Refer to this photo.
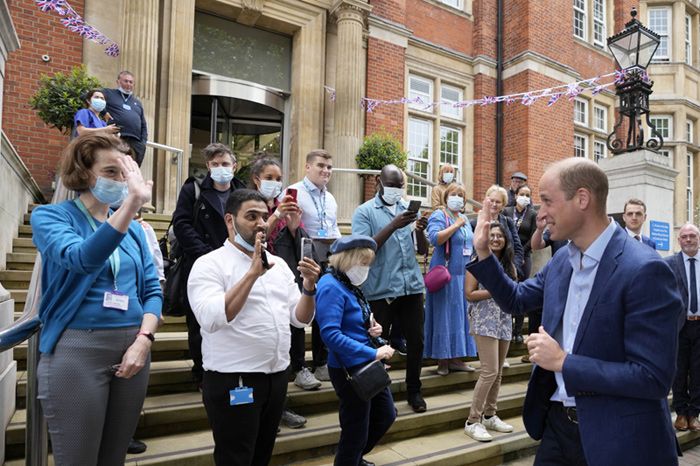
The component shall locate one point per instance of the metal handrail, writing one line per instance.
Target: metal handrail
(420, 179)
(176, 158)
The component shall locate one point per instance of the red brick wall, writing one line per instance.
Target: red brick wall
(484, 137)
(440, 26)
(39, 34)
(385, 80)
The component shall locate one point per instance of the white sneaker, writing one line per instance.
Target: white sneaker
(306, 380)
(477, 431)
(321, 373)
(495, 423)
(506, 364)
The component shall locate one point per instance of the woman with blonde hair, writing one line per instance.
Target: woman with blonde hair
(353, 339)
(446, 327)
(446, 177)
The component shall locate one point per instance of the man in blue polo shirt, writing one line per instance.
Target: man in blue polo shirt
(126, 111)
(395, 287)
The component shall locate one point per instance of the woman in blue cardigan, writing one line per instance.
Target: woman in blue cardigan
(353, 339)
(101, 303)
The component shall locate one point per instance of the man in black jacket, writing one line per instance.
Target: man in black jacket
(198, 222)
(126, 111)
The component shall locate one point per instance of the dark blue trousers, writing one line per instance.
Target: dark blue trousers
(561, 442)
(686, 385)
(362, 423)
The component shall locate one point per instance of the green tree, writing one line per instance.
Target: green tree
(380, 149)
(59, 97)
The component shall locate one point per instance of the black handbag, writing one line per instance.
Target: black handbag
(369, 380)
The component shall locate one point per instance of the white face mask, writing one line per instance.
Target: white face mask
(455, 203)
(447, 177)
(270, 188)
(392, 195)
(523, 201)
(357, 274)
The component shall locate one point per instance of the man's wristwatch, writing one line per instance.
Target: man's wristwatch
(307, 292)
(148, 335)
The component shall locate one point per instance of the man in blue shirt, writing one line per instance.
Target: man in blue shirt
(395, 287)
(605, 353)
(126, 111)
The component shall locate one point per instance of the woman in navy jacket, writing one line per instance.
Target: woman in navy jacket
(352, 336)
(101, 303)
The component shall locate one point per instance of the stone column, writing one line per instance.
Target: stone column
(350, 17)
(648, 176)
(175, 97)
(139, 54)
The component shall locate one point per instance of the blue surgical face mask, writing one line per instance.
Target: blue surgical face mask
(270, 188)
(109, 192)
(222, 175)
(392, 195)
(243, 243)
(98, 104)
(455, 203)
(447, 177)
(124, 91)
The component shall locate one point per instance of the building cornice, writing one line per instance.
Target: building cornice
(449, 53)
(9, 40)
(533, 61)
(388, 31)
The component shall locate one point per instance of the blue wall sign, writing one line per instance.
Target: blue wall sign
(660, 232)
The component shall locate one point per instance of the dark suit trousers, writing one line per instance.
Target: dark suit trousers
(686, 386)
(408, 310)
(561, 442)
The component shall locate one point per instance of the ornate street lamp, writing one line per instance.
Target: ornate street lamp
(633, 49)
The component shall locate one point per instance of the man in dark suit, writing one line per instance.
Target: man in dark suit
(686, 386)
(635, 214)
(604, 355)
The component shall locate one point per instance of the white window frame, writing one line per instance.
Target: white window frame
(689, 185)
(604, 111)
(689, 131)
(581, 9)
(458, 130)
(411, 183)
(599, 144)
(427, 98)
(458, 4)
(663, 53)
(688, 40)
(669, 125)
(666, 153)
(583, 120)
(446, 109)
(584, 138)
(599, 14)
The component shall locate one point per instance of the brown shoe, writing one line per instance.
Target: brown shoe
(693, 424)
(525, 358)
(681, 423)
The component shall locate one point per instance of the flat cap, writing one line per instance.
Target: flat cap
(352, 242)
(520, 175)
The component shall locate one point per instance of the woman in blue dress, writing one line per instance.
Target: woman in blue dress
(88, 120)
(447, 336)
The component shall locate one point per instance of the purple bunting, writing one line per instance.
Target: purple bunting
(553, 99)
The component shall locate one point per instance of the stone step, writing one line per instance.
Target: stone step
(20, 298)
(25, 231)
(15, 279)
(23, 245)
(21, 260)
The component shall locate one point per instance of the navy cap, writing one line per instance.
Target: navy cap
(352, 242)
(520, 175)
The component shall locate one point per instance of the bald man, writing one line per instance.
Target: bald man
(605, 353)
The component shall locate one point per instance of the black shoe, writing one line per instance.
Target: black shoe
(400, 346)
(417, 402)
(136, 447)
(518, 338)
(364, 462)
(292, 419)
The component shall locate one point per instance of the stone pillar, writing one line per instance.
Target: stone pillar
(648, 176)
(175, 97)
(350, 17)
(139, 54)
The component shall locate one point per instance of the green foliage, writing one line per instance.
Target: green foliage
(58, 97)
(380, 149)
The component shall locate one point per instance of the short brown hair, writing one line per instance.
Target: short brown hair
(577, 173)
(318, 153)
(635, 201)
(80, 155)
(215, 149)
(451, 189)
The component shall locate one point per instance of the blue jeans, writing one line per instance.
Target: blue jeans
(362, 423)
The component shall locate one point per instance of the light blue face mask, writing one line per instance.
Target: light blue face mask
(392, 195)
(222, 175)
(270, 188)
(98, 104)
(455, 203)
(109, 192)
(243, 243)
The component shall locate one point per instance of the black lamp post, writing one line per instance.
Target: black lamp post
(633, 49)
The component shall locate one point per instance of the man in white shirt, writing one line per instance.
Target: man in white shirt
(245, 307)
(635, 214)
(319, 214)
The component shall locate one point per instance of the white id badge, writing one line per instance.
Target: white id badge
(116, 300)
(467, 252)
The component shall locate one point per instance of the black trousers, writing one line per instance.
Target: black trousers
(686, 385)
(561, 442)
(362, 423)
(408, 311)
(520, 319)
(194, 342)
(244, 435)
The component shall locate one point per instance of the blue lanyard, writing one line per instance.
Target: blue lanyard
(320, 206)
(114, 259)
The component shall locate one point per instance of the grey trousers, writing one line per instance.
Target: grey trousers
(91, 414)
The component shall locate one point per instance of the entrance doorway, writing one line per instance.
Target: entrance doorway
(246, 117)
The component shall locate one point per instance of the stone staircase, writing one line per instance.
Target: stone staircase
(174, 425)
